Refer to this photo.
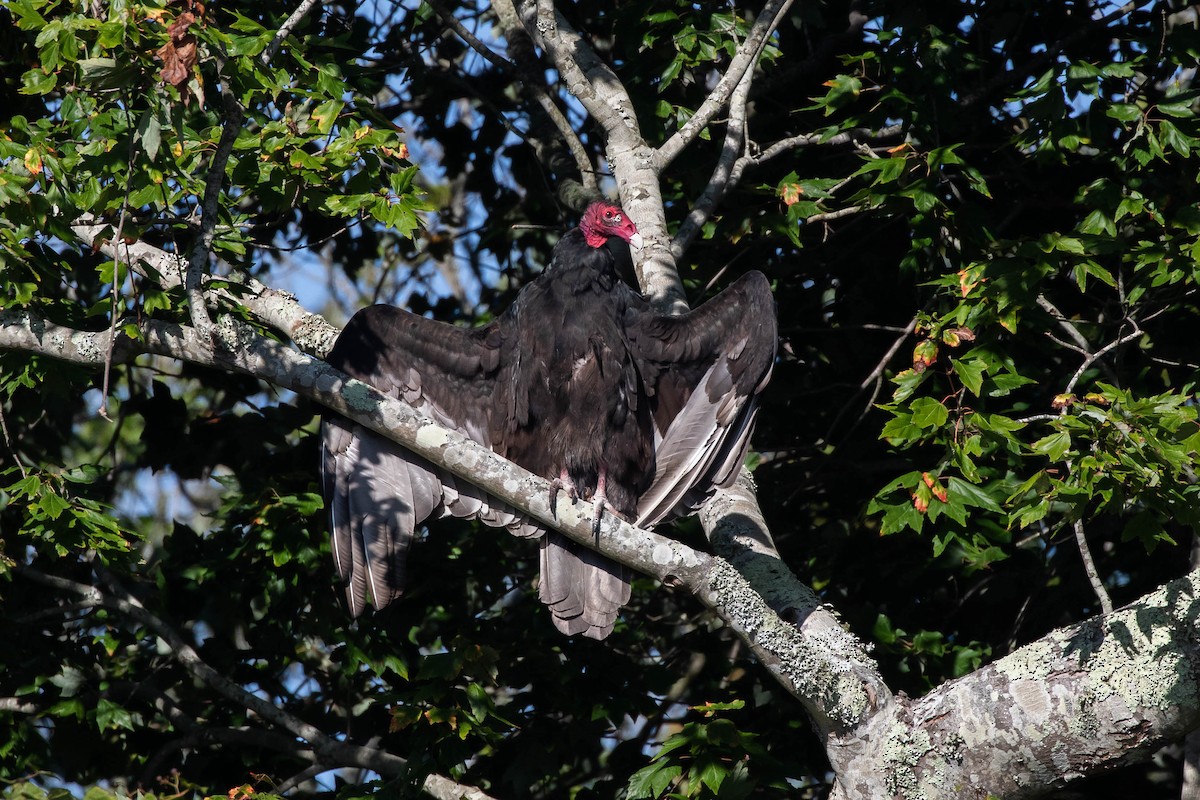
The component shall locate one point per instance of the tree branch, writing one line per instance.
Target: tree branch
(604, 97)
(285, 30)
(1082, 699)
(741, 69)
(724, 181)
(325, 748)
(812, 669)
(529, 82)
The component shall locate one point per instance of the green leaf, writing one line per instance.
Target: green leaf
(1054, 446)
(653, 780)
(109, 715)
(929, 413)
(970, 372)
(149, 133)
(970, 494)
(37, 82)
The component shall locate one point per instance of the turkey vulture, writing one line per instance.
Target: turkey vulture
(580, 381)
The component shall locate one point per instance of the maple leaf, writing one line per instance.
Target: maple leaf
(790, 192)
(33, 161)
(935, 487)
(924, 354)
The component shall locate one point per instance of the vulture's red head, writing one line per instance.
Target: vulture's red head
(602, 220)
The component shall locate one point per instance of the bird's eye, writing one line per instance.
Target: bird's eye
(608, 214)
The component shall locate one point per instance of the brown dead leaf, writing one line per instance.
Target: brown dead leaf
(180, 54)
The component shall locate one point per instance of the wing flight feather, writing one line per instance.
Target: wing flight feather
(378, 491)
(703, 372)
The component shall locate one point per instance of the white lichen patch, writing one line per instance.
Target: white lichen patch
(1031, 699)
(662, 554)
(904, 750)
(1140, 662)
(431, 436)
(1032, 662)
(464, 457)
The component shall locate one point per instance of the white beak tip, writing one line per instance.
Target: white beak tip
(635, 241)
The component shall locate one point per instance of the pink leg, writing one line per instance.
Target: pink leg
(563, 481)
(598, 502)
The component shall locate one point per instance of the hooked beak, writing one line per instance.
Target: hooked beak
(635, 241)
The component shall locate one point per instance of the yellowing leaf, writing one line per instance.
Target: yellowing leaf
(33, 161)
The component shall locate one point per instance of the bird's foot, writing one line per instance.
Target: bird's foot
(599, 503)
(563, 481)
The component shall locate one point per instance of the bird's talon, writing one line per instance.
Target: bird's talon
(563, 481)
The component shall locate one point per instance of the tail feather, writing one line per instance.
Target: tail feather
(583, 590)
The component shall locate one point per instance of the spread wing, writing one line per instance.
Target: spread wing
(376, 491)
(703, 371)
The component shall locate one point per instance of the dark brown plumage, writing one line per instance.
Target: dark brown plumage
(580, 381)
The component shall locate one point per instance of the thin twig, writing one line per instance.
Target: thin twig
(733, 147)
(118, 239)
(1084, 346)
(285, 30)
(1089, 567)
(721, 183)
(827, 216)
(197, 264)
(294, 782)
(1085, 553)
(8, 442)
(1091, 359)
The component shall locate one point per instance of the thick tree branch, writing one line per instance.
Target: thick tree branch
(279, 310)
(604, 97)
(1082, 699)
(835, 687)
(741, 69)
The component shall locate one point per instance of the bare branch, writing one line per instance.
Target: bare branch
(740, 66)
(213, 185)
(1071, 331)
(827, 216)
(719, 184)
(1085, 553)
(1091, 359)
(285, 30)
(529, 82)
(1089, 567)
(587, 77)
(280, 310)
(722, 183)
